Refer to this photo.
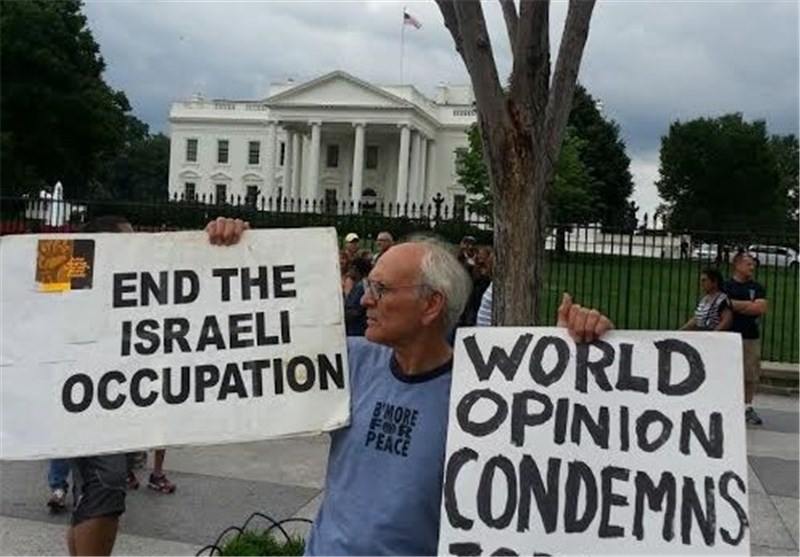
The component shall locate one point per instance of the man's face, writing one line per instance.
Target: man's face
(398, 314)
(745, 266)
(384, 242)
(352, 247)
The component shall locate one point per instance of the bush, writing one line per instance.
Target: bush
(255, 543)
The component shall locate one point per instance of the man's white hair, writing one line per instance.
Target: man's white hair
(441, 271)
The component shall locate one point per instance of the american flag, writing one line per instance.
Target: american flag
(409, 19)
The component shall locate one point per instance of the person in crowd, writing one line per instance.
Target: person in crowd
(481, 275)
(749, 303)
(388, 502)
(713, 311)
(466, 252)
(344, 264)
(100, 480)
(385, 240)
(352, 245)
(355, 315)
(158, 480)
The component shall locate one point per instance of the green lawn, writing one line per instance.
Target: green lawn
(648, 293)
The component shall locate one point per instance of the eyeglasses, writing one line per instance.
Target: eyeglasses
(378, 289)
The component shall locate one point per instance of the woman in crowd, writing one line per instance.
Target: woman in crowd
(713, 311)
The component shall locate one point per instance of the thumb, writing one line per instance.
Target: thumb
(563, 310)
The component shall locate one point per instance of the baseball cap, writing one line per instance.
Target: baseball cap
(352, 237)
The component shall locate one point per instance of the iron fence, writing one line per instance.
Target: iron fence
(642, 279)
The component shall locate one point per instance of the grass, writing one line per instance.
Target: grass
(255, 543)
(648, 293)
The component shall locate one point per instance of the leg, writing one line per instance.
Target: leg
(57, 475)
(158, 480)
(752, 375)
(71, 541)
(95, 536)
(158, 461)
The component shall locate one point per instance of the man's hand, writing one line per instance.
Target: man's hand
(226, 232)
(583, 324)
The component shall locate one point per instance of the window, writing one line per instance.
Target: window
(191, 150)
(459, 205)
(332, 160)
(189, 191)
(252, 196)
(330, 201)
(254, 152)
(372, 157)
(222, 194)
(282, 157)
(222, 151)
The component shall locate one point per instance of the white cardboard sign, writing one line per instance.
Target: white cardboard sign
(116, 342)
(634, 444)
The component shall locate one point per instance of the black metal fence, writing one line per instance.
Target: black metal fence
(643, 279)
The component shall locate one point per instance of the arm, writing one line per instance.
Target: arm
(690, 325)
(726, 319)
(755, 308)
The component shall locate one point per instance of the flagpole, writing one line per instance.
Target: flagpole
(402, 43)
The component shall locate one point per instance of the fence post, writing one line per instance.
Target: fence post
(437, 215)
(628, 282)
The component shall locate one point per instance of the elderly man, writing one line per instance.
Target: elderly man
(383, 498)
(385, 240)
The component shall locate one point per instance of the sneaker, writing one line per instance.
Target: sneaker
(752, 417)
(57, 501)
(133, 481)
(161, 484)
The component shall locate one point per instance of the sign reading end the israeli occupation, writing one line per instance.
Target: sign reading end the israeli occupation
(634, 444)
(115, 342)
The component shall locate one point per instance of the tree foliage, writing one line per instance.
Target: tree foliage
(720, 174)
(603, 153)
(787, 157)
(572, 199)
(59, 118)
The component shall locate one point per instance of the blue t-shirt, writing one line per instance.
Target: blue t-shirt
(384, 480)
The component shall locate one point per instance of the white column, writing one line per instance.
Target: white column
(358, 165)
(430, 163)
(296, 168)
(402, 164)
(423, 175)
(413, 179)
(269, 159)
(313, 162)
(287, 164)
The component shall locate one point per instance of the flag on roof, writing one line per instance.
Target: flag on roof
(409, 19)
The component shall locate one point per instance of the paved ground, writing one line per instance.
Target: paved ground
(221, 486)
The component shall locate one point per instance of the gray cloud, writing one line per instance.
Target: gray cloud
(649, 62)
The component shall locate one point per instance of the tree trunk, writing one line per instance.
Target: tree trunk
(518, 173)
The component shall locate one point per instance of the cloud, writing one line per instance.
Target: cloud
(650, 63)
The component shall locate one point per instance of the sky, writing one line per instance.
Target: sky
(650, 63)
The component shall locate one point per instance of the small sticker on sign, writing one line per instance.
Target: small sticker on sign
(64, 265)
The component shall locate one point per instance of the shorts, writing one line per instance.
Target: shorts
(103, 482)
(751, 354)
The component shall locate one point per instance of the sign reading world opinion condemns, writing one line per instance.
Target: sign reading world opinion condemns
(634, 444)
(116, 342)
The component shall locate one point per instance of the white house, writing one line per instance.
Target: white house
(335, 138)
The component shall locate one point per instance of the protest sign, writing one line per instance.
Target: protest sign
(116, 342)
(634, 444)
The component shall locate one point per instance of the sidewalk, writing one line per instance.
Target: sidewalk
(221, 486)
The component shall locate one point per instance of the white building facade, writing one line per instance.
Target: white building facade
(335, 138)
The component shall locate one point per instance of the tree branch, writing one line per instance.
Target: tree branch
(573, 41)
(530, 76)
(479, 59)
(512, 20)
(447, 7)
